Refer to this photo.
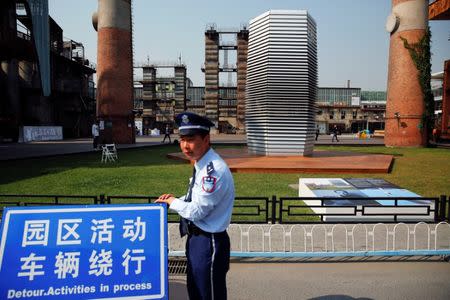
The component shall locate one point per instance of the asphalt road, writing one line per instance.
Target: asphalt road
(336, 280)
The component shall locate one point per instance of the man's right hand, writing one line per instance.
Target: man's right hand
(165, 198)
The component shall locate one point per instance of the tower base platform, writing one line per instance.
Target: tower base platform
(240, 161)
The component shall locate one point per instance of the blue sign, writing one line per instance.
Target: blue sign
(84, 252)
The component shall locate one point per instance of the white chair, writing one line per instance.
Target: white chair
(109, 153)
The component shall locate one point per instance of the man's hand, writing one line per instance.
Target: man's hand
(165, 198)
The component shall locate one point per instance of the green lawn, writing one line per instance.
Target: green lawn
(147, 171)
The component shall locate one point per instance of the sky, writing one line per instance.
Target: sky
(352, 41)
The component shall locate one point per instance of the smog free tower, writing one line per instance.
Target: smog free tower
(281, 83)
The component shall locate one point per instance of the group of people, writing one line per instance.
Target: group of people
(334, 133)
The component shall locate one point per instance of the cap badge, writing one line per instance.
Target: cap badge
(185, 119)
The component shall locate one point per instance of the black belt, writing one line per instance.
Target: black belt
(195, 230)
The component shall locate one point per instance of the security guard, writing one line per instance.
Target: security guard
(205, 210)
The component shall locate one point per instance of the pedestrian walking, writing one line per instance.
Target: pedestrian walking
(317, 132)
(95, 134)
(335, 132)
(435, 134)
(205, 210)
(167, 134)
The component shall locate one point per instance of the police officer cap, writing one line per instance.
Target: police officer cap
(191, 124)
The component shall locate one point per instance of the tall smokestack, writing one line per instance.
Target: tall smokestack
(405, 104)
(115, 70)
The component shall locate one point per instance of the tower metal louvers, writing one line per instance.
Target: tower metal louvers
(281, 83)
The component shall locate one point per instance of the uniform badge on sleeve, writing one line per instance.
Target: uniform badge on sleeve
(209, 183)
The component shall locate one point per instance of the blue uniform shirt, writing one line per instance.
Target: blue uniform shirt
(212, 195)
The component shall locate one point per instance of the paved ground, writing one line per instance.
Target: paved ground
(38, 149)
(49, 148)
(337, 280)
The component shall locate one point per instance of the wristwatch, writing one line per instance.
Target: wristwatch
(392, 23)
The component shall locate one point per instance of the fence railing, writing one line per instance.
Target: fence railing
(245, 210)
(282, 210)
(27, 200)
(330, 240)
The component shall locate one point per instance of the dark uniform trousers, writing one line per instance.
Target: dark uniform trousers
(208, 261)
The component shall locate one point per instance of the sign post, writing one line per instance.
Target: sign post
(84, 252)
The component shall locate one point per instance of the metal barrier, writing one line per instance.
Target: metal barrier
(254, 234)
(126, 199)
(269, 210)
(332, 240)
(246, 210)
(38, 200)
(257, 208)
(172, 216)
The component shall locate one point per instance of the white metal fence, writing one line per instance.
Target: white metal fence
(306, 240)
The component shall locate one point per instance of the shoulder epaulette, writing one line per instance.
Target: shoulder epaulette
(210, 168)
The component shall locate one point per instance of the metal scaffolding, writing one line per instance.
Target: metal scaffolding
(214, 108)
